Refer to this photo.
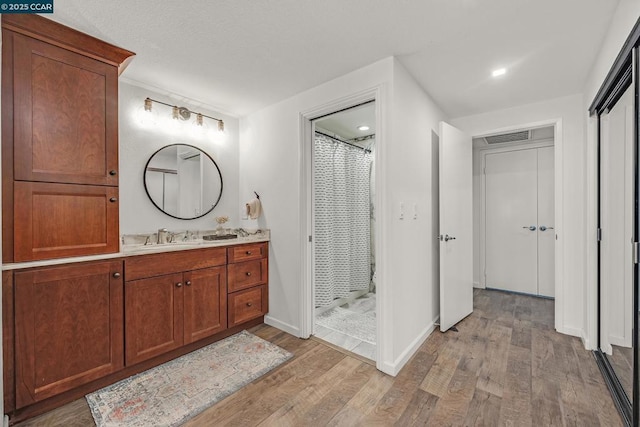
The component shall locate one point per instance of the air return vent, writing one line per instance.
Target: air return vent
(508, 137)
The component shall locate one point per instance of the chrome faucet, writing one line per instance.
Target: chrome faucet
(163, 235)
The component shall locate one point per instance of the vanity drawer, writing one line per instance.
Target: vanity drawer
(248, 304)
(247, 252)
(151, 265)
(247, 274)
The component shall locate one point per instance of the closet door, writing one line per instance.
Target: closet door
(546, 228)
(511, 221)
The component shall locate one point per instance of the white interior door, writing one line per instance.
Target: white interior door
(511, 221)
(546, 229)
(456, 226)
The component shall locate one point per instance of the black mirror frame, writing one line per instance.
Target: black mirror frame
(144, 181)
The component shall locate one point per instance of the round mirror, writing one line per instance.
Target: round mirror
(183, 181)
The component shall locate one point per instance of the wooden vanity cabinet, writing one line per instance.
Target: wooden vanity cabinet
(248, 277)
(59, 139)
(68, 327)
(167, 311)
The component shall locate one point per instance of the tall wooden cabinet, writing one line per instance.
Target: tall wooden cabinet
(59, 140)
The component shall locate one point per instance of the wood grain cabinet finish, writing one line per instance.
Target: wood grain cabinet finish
(65, 115)
(45, 221)
(59, 127)
(166, 312)
(68, 328)
(248, 277)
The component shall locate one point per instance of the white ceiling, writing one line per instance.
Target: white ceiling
(240, 55)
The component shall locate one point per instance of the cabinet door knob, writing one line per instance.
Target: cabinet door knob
(188, 283)
(249, 304)
(248, 252)
(179, 285)
(113, 199)
(248, 273)
(116, 275)
(113, 172)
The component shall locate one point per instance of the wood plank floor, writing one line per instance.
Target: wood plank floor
(505, 367)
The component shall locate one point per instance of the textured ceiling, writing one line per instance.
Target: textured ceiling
(240, 55)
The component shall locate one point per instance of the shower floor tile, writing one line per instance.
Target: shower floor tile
(341, 332)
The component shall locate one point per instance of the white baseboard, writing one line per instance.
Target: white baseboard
(575, 332)
(290, 329)
(395, 367)
(478, 285)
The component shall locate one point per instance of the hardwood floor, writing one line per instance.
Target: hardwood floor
(505, 366)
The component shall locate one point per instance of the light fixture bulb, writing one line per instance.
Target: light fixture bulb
(147, 104)
(175, 113)
(220, 126)
(499, 72)
(363, 127)
(199, 119)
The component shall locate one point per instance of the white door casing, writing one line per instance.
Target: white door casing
(456, 221)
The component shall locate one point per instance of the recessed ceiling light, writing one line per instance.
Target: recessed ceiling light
(499, 72)
(363, 127)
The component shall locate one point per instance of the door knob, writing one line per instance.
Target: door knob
(188, 283)
(179, 285)
(447, 238)
(531, 227)
(543, 228)
(116, 275)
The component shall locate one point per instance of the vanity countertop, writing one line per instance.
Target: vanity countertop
(129, 250)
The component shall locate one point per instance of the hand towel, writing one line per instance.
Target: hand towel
(254, 208)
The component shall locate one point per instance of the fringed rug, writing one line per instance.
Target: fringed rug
(170, 394)
(358, 325)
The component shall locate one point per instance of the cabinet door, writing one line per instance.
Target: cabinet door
(62, 220)
(205, 303)
(65, 115)
(153, 316)
(68, 328)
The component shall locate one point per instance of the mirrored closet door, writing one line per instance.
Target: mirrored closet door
(616, 110)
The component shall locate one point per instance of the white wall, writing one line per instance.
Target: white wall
(271, 163)
(625, 17)
(139, 142)
(414, 281)
(570, 109)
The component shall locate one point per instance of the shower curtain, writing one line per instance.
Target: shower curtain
(342, 219)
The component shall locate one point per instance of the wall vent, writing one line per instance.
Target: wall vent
(524, 135)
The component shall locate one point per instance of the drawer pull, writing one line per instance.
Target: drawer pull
(249, 304)
(112, 172)
(248, 252)
(188, 283)
(116, 275)
(179, 285)
(113, 199)
(248, 273)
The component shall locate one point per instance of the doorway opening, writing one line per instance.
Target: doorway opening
(516, 205)
(343, 221)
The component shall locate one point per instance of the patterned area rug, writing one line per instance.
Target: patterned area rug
(358, 325)
(170, 394)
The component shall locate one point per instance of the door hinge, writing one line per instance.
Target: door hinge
(310, 239)
(635, 252)
(599, 235)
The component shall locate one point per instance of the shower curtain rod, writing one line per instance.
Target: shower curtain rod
(344, 142)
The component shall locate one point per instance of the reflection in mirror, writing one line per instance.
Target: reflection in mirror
(183, 181)
(616, 219)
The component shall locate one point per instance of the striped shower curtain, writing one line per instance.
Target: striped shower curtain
(342, 219)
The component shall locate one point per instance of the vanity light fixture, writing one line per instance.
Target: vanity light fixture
(363, 127)
(183, 113)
